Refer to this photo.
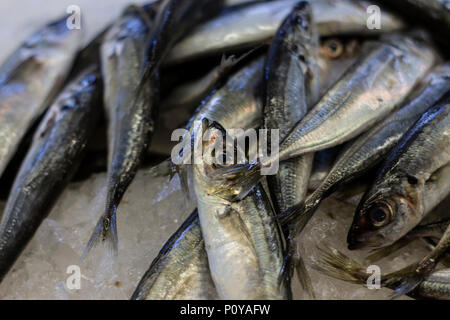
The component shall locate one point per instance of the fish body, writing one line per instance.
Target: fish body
(371, 89)
(411, 182)
(181, 270)
(244, 247)
(242, 239)
(258, 23)
(30, 79)
(371, 147)
(56, 151)
(435, 286)
(291, 75)
(367, 92)
(130, 119)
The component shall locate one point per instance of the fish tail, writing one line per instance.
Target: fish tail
(105, 232)
(339, 266)
(292, 260)
(304, 277)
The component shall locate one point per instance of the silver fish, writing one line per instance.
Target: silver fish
(57, 149)
(180, 271)
(292, 80)
(30, 79)
(367, 92)
(130, 125)
(258, 23)
(242, 239)
(412, 181)
(370, 148)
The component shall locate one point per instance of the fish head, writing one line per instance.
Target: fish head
(387, 214)
(299, 32)
(217, 170)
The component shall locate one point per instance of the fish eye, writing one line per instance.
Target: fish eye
(412, 180)
(380, 214)
(332, 48)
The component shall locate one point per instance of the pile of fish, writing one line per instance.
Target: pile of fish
(365, 110)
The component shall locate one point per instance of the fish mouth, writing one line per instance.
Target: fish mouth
(359, 237)
(355, 240)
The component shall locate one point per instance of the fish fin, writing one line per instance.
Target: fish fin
(304, 277)
(337, 265)
(232, 182)
(104, 232)
(297, 217)
(383, 252)
(293, 259)
(163, 169)
(184, 182)
(242, 177)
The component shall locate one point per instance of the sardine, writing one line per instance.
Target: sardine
(130, 125)
(292, 80)
(367, 92)
(181, 270)
(258, 23)
(291, 77)
(371, 147)
(29, 80)
(57, 149)
(413, 179)
(242, 239)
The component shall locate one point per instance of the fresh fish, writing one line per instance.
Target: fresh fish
(371, 147)
(411, 182)
(57, 149)
(130, 125)
(30, 79)
(435, 285)
(242, 239)
(292, 80)
(237, 105)
(180, 271)
(366, 93)
(258, 23)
